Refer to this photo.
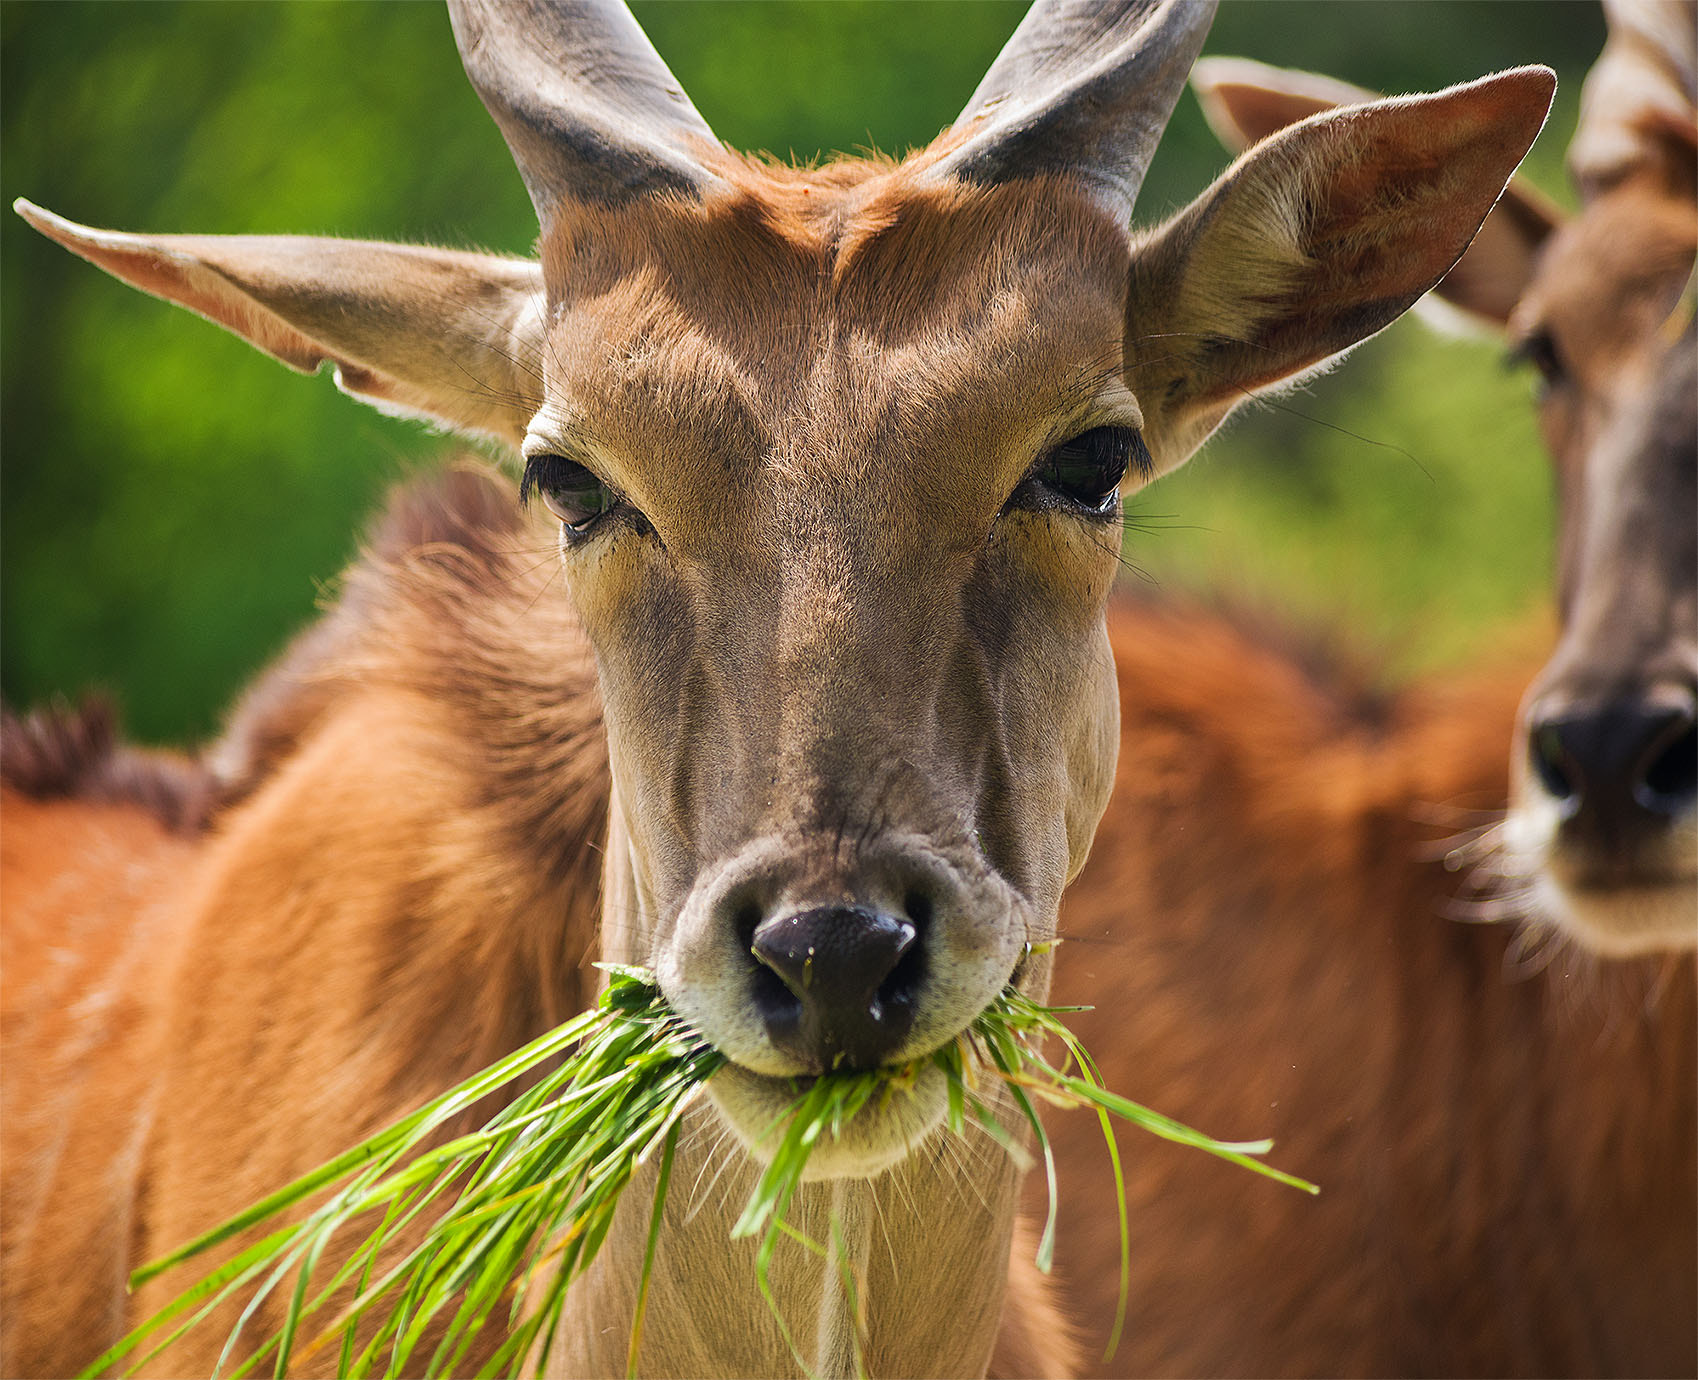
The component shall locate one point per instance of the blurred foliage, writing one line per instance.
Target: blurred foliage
(171, 500)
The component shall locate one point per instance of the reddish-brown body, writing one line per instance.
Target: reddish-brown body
(86, 955)
(1507, 1158)
(1504, 1137)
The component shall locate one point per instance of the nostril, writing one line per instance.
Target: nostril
(1550, 763)
(1671, 776)
(745, 917)
(1619, 768)
(837, 984)
(909, 974)
(898, 991)
(779, 1008)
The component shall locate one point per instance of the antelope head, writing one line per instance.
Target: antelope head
(837, 458)
(1606, 788)
(1603, 773)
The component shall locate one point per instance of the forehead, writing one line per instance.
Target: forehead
(817, 315)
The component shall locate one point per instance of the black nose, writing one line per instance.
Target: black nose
(1620, 770)
(843, 996)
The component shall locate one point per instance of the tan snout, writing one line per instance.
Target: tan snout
(1604, 816)
(804, 954)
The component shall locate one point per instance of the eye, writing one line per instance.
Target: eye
(1539, 348)
(1087, 470)
(569, 490)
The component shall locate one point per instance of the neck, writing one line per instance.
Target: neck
(926, 1245)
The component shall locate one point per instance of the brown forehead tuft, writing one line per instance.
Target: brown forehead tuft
(861, 225)
(772, 209)
(919, 254)
(806, 206)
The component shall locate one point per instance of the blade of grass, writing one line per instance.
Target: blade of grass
(665, 1177)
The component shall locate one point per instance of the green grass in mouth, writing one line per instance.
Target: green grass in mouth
(516, 1211)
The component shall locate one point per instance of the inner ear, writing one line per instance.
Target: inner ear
(1246, 102)
(1314, 240)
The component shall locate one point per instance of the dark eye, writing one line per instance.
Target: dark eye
(1540, 350)
(569, 490)
(1087, 470)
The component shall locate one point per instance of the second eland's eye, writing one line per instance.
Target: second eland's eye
(1539, 348)
(569, 490)
(1087, 469)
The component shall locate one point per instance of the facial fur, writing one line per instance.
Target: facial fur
(838, 667)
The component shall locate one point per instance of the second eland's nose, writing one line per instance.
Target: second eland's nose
(1620, 769)
(839, 999)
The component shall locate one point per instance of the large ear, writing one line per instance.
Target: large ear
(585, 103)
(452, 337)
(1246, 102)
(1313, 241)
(1638, 104)
(1083, 88)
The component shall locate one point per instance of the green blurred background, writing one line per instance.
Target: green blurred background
(172, 502)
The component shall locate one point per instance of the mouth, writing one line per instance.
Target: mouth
(885, 1114)
(892, 1110)
(1600, 876)
(1603, 885)
(1623, 919)
(874, 1117)
(1537, 840)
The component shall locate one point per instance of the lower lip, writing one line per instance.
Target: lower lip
(880, 1134)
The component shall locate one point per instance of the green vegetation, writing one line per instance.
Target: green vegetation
(530, 1196)
(173, 501)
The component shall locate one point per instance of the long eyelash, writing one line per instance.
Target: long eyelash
(1138, 457)
(534, 476)
(528, 482)
(1127, 447)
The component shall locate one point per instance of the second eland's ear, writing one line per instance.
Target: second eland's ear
(1083, 88)
(453, 337)
(1246, 102)
(1312, 241)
